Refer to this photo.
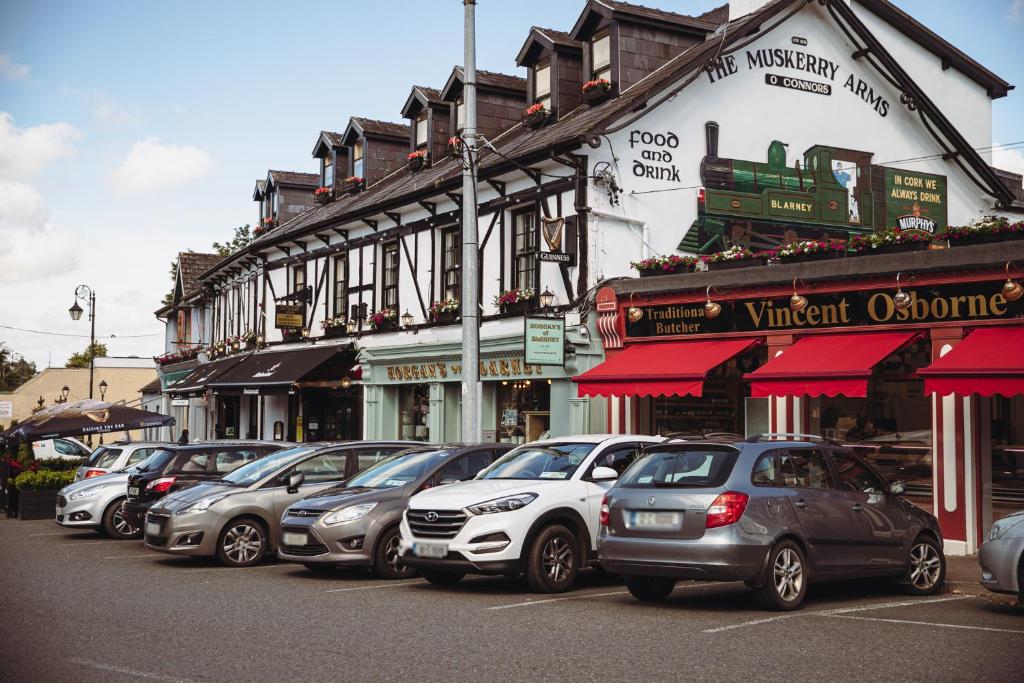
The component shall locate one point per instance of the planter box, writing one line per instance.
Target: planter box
(738, 263)
(352, 187)
(535, 121)
(445, 317)
(386, 326)
(335, 332)
(37, 504)
(893, 249)
(986, 239)
(804, 258)
(417, 163)
(662, 271)
(519, 308)
(322, 198)
(595, 96)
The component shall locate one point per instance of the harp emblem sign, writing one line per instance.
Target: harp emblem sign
(551, 229)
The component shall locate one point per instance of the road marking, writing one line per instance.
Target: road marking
(90, 542)
(125, 557)
(235, 569)
(927, 623)
(378, 585)
(128, 672)
(755, 622)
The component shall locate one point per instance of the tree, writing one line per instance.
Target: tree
(81, 360)
(14, 370)
(243, 236)
(169, 296)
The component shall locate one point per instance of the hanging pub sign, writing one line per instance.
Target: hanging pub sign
(914, 202)
(289, 315)
(544, 341)
(960, 302)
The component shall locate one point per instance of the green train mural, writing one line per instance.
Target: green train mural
(834, 192)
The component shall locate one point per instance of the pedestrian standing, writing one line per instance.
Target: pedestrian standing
(183, 439)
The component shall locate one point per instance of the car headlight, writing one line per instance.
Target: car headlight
(507, 504)
(1000, 528)
(349, 514)
(86, 493)
(200, 505)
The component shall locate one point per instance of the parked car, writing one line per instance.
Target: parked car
(95, 503)
(356, 524)
(534, 511)
(173, 468)
(773, 511)
(1002, 556)
(116, 456)
(62, 447)
(236, 517)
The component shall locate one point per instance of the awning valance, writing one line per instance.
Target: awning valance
(275, 368)
(660, 369)
(989, 361)
(198, 379)
(827, 364)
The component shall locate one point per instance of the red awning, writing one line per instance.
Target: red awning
(826, 364)
(990, 360)
(660, 369)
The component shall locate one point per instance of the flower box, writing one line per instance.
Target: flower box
(384, 320)
(444, 317)
(353, 185)
(514, 300)
(516, 308)
(737, 263)
(335, 331)
(417, 160)
(899, 248)
(386, 326)
(322, 195)
(535, 116)
(37, 504)
(664, 265)
(813, 256)
(736, 257)
(989, 230)
(455, 146)
(596, 91)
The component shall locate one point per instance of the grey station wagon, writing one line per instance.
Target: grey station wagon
(775, 511)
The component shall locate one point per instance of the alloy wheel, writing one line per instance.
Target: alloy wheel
(925, 566)
(122, 525)
(788, 575)
(557, 556)
(243, 543)
(391, 555)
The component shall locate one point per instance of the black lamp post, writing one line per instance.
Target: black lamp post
(85, 293)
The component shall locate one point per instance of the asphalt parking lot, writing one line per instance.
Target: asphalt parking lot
(76, 606)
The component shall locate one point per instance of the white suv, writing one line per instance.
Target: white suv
(534, 511)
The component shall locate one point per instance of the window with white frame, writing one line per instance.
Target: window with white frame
(389, 293)
(340, 284)
(524, 249)
(421, 131)
(357, 159)
(460, 113)
(542, 84)
(451, 260)
(328, 170)
(601, 56)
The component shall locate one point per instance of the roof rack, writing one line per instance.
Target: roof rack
(788, 436)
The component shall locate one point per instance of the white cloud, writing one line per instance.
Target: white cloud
(11, 70)
(152, 165)
(108, 111)
(24, 151)
(1016, 11)
(30, 246)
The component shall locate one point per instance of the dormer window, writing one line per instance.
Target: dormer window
(460, 113)
(357, 159)
(421, 131)
(601, 56)
(542, 84)
(327, 171)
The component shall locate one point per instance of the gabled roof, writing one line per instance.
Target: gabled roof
(292, 178)
(546, 39)
(359, 127)
(485, 80)
(327, 141)
(261, 188)
(191, 265)
(595, 10)
(422, 96)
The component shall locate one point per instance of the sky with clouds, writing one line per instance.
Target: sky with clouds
(131, 131)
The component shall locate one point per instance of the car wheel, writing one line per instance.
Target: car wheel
(386, 563)
(554, 560)
(441, 578)
(116, 526)
(786, 583)
(242, 543)
(650, 588)
(926, 567)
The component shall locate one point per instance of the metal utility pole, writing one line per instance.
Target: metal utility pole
(471, 427)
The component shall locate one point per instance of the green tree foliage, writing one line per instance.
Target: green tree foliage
(14, 370)
(243, 236)
(81, 360)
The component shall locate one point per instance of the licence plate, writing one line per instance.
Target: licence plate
(656, 521)
(152, 529)
(292, 538)
(133, 490)
(435, 550)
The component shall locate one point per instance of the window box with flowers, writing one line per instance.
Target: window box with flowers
(988, 230)
(801, 251)
(514, 301)
(177, 356)
(334, 327)
(888, 242)
(444, 311)
(384, 320)
(596, 91)
(735, 257)
(664, 265)
(322, 195)
(353, 184)
(266, 225)
(291, 334)
(417, 160)
(455, 146)
(535, 116)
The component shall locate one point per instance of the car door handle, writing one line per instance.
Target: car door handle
(801, 503)
(857, 507)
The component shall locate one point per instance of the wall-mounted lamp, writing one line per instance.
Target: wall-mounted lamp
(711, 308)
(547, 298)
(797, 302)
(351, 326)
(1012, 290)
(633, 313)
(346, 382)
(305, 333)
(901, 299)
(407, 319)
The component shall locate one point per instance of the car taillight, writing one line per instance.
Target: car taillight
(726, 509)
(700, 196)
(160, 485)
(89, 474)
(604, 511)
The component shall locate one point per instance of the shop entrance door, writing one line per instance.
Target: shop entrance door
(333, 414)
(227, 417)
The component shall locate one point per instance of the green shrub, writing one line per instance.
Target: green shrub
(43, 479)
(60, 464)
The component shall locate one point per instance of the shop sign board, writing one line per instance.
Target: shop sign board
(506, 368)
(957, 303)
(560, 257)
(915, 202)
(544, 341)
(289, 315)
(179, 402)
(6, 409)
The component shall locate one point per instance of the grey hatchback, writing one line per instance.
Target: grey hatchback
(774, 511)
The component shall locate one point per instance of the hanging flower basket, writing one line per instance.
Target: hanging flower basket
(990, 229)
(664, 265)
(322, 195)
(417, 160)
(353, 185)
(887, 242)
(596, 91)
(735, 257)
(444, 311)
(535, 116)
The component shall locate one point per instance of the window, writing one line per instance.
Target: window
(389, 295)
(357, 159)
(65, 447)
(274, 203)
(139, 455)
(460, 113)
(556, 461)
(696, 466)
(421, 130)
(618, 458)
(451, 260)
(229, 461)
(764, 473)
(107, 459)
(298, 278)
(324, 467)
(340, 284)
(371, 456)
(855, 476)
(600, 56)
(542, 84)
(328, 171)
(524, 250)
(197, 463)
(805, 469)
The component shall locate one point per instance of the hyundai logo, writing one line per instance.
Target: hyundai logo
(652, 500)
(431, 516)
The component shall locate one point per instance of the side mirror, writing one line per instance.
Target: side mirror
(897, 487)
(604, 474)
(295, 480)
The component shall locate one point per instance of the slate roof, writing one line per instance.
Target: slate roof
(334, 138)
(557, 37)
(191, 266)
(293, 178)
(497, 80)
(655, 14)
(386, 128)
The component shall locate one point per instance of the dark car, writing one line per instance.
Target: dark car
(356, 524)
(173, 468)
(775, 511)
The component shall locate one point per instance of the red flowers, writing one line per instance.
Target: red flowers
(321, 191)
(597, 83)
(418, 154)
(535, 109)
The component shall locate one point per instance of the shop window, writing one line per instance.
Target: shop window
(1006, 450)
(327, 176)
(451, 260)
(357, 159)
(524, 250)
(422, 132)
(340, 284)
(389, 293)
(542, 84)
(601, 56)
(414, 412)
(524, 408)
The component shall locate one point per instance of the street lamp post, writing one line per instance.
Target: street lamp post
(85, 293)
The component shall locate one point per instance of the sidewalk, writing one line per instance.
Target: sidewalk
(963, 574)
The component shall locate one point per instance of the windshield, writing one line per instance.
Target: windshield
(103, 457)
(249, 474)
(397, 470)
(556, 461)
(155, 462)
(697, 466)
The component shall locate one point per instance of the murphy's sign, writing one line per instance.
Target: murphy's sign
(936, 304)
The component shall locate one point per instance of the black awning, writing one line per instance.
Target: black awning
(198, 379)
(275, 368)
